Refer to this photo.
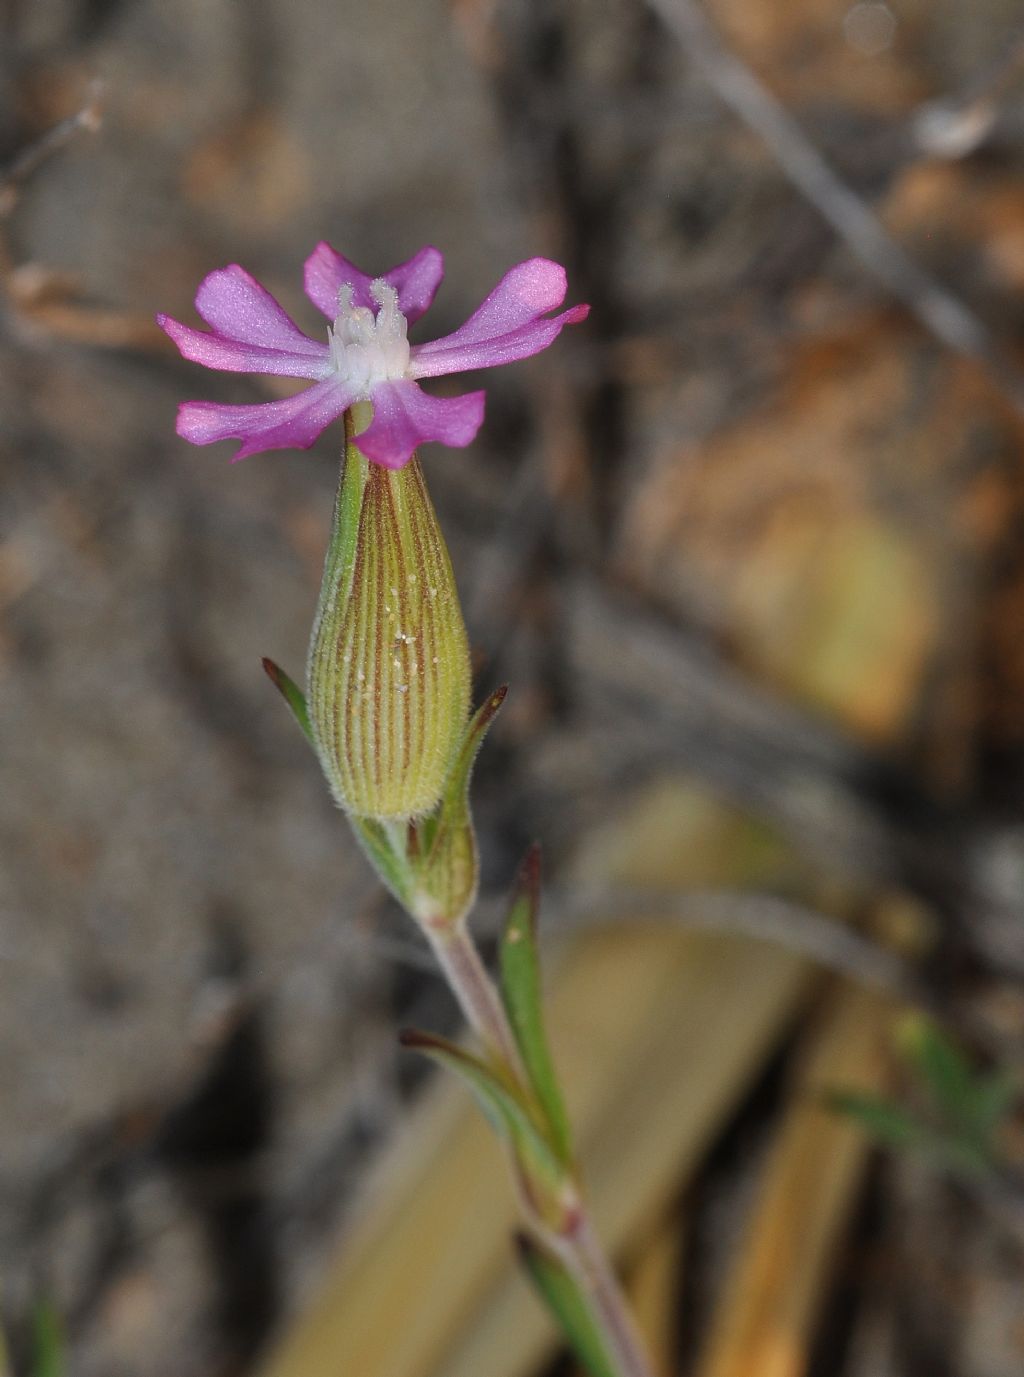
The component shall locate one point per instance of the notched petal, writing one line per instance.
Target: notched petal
(325, 273)
(451, 355)
(214, 350)
(235, 305)
(405, 417)
(512, 323)
(416, 281)
(292, 423)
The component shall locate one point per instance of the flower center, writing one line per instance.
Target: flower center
(365, 348)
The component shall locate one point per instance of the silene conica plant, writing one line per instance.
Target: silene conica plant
(387, 701)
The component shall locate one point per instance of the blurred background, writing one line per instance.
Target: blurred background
(748, 546)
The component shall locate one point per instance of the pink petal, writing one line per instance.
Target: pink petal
(509, 324)
(326, 271)
(234, 305)
(405, 417)
(217, 351)
(440, 357)
(416, 281)
(293, 423)
(525, 292)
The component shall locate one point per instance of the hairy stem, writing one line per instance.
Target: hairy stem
(580, 1249)
(471, 985)
(584, 1255)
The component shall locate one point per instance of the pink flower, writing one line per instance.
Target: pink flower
(366, 356)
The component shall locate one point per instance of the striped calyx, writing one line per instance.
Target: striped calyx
(388, 672)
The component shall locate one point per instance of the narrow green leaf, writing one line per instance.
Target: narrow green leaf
(48, 1347)
(292, 695)
(942, 1066)
(522, 997)
(542, 1174)
(887, 1122)
(455, 803)
(453, 813)
(951, 1149)
(449, 867)
(567, 1303)
(384, 854)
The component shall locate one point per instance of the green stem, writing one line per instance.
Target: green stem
(580, 1249)
(584, 1256)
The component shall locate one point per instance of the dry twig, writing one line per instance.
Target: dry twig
(88, 118)
(765, 917)
(941, 313)
(40, 297)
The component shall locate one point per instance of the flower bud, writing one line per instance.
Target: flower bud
(388, 673)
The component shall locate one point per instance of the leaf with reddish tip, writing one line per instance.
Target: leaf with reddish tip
(542, 1176)
(453, 812)
(561, 1293)
(292, 695)
(522, 996)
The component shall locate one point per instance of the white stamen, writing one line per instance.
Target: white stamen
(367, 349)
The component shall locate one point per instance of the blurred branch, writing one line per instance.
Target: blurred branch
(675, 704)
(88, 118)
(66, 320)
(828, 943)
(938, 309)
(41, 297)
(765, 917)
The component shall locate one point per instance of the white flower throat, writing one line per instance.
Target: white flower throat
(368, 349)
